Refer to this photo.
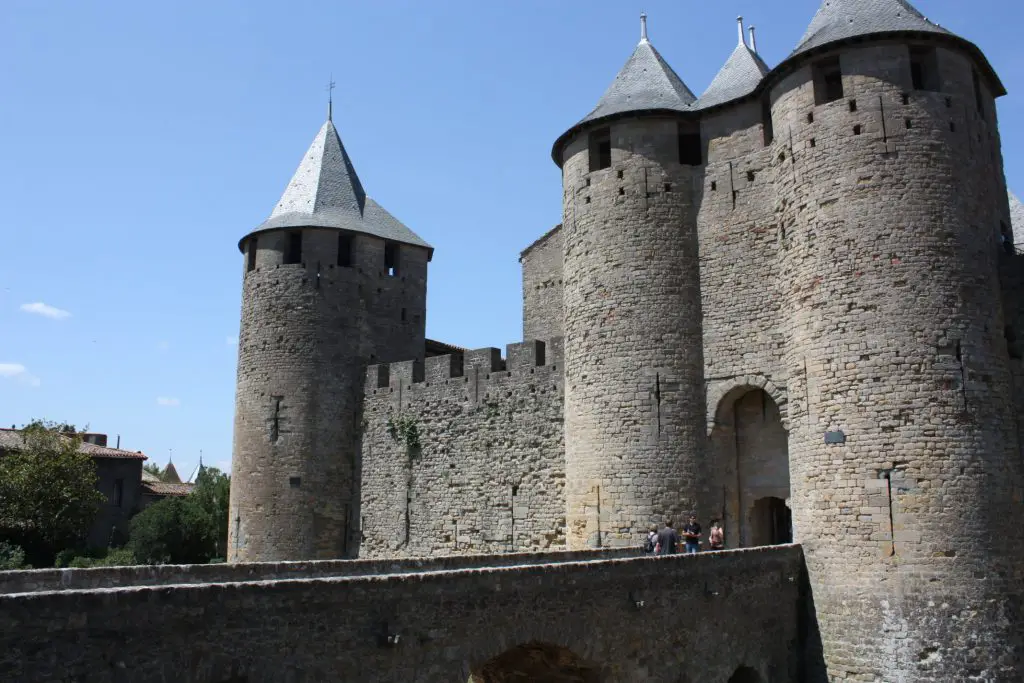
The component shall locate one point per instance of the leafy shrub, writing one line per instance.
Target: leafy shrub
(11, 557)
(173, 531)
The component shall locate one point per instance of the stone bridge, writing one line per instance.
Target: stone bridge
(727, 617)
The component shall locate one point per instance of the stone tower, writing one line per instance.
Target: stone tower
(905, 464)
(634, 395)
(332, 282)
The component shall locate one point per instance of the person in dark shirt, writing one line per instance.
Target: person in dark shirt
(691, 534)
(667, 539)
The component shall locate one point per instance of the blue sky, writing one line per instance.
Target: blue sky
(141, 140)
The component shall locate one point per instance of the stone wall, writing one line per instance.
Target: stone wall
(113, 520)
(485, 472)
(542, 287)
(659, 620)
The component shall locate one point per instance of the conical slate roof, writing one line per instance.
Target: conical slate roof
(740, 76)
(842, 19)
(645, 82)
(325, 192)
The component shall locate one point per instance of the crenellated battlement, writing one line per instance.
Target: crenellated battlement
(527, 357)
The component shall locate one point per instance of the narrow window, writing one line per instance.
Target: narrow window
(391, 258)
(690, 152)
(924, 68)
(766, 121)
(600, 149)
(294, 252)
(251, 255)
(828, 81)
(403, 315)
(856, 129)
(118, 499)
(344, 250)
(810, 117)
(978, 103)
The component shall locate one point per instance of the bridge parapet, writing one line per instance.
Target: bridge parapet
(636, 618)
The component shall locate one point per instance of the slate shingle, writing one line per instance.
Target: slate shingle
(325, 192)
(842, 19)
(645, 82)
(738, 77)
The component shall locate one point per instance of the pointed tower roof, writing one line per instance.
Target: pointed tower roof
(170, 474)
(739, 77)
(645, 83)
(842, 19)
(325, 192)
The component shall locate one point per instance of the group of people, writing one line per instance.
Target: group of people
(667, 541)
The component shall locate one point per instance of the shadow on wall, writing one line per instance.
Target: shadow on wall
(538, 663)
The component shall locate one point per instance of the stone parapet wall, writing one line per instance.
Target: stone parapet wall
(633, 619)
(485, 470)
(35, 580)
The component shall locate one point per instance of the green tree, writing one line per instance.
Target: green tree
(212, 492)
(153, 469)
(173, 531)
(48, 496)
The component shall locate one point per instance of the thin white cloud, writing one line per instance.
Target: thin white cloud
(231, 341)
(163, 345)
(224, 466)
(167, 402)
(45, 310)
(19, 373)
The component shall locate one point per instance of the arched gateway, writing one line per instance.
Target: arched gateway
(750, 452)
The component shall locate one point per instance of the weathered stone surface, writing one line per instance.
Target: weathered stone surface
(448, 623)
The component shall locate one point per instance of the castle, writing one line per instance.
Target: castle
(785, 304)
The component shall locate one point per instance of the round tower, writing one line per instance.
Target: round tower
(634, 415)
(332, 282)
(905, 463)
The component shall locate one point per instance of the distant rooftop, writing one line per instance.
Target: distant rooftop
(11, 439)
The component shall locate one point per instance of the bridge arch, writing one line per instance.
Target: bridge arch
(537, 662)
(745, 674)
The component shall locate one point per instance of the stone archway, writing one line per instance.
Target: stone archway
(536, 662)
(749, 446)
(745, 674)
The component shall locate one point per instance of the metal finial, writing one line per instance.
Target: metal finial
(643, 27)
(739, 27)
(753, 40)
(330, 98)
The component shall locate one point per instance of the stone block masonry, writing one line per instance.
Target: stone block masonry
(642, 619)
(464, 454)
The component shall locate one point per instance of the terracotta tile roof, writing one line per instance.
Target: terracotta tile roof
(10, 439)
(438, 348)
(166, 488)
